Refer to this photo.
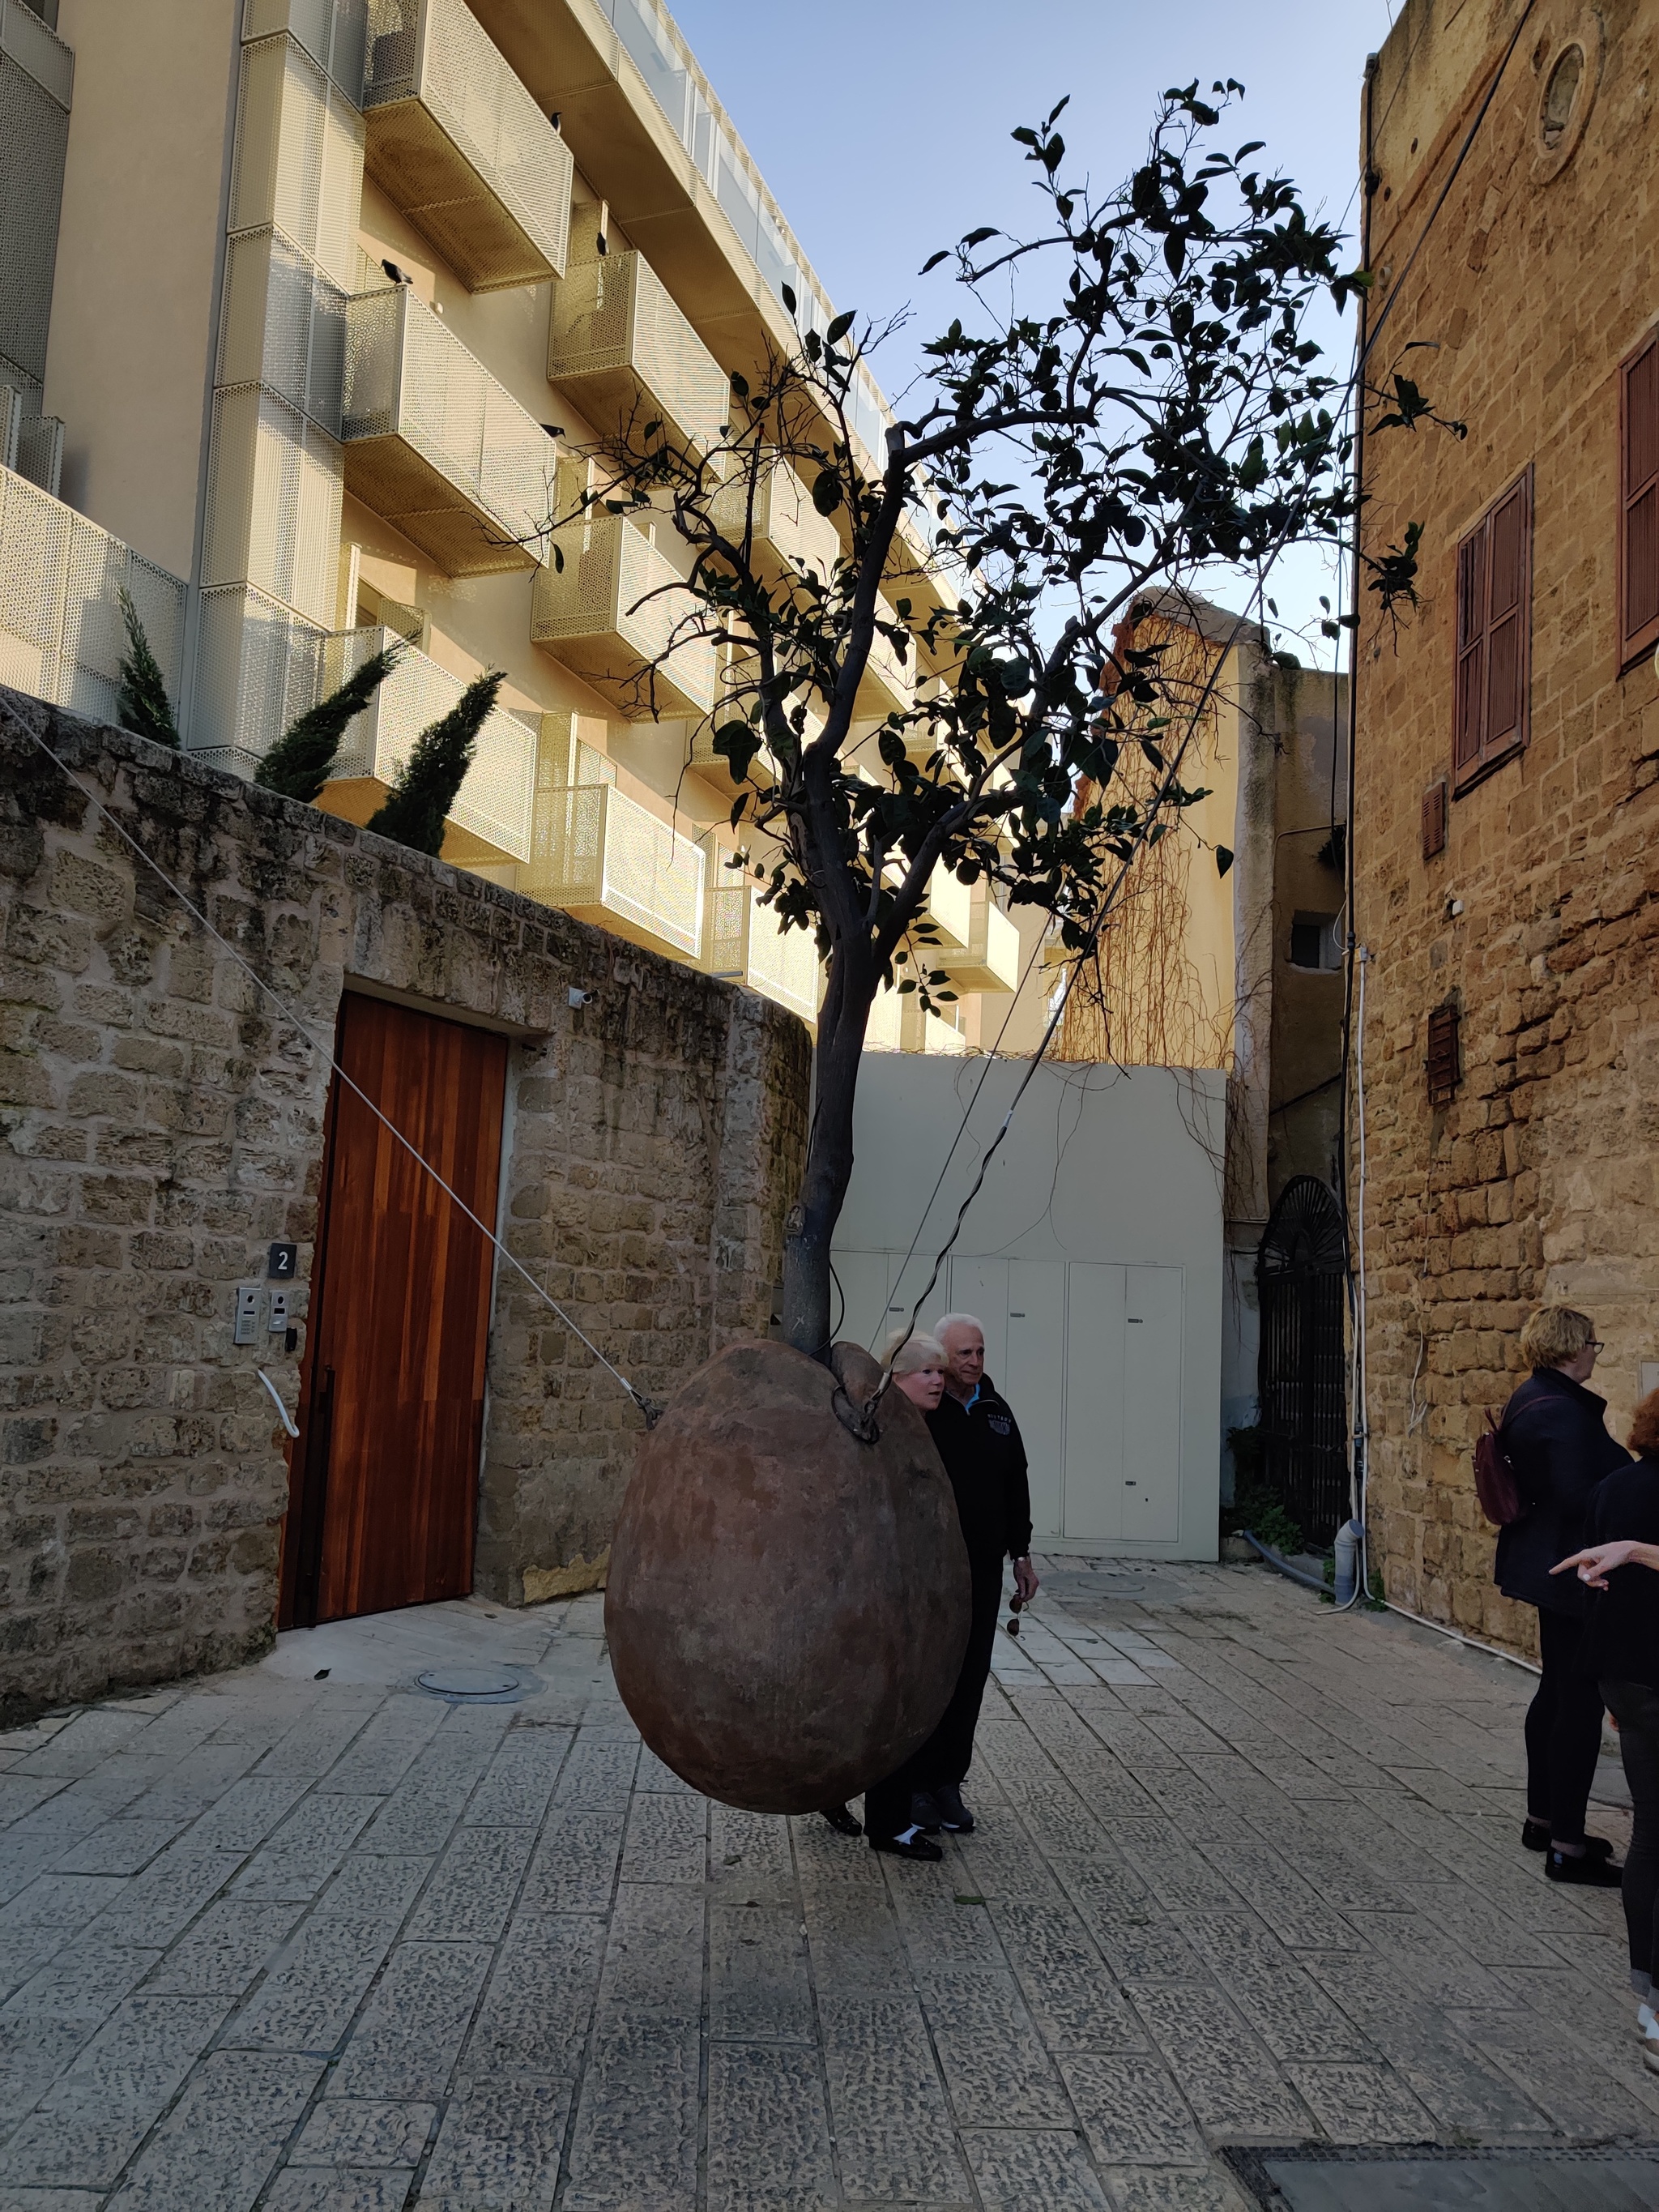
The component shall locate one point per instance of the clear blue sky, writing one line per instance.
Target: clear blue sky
(881, 129)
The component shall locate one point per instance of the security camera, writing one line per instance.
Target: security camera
(580, 998)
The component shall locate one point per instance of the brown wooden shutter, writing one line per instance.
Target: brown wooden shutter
(1434, 819)
(1444, 1066)
(1494, 635)
(1638, 534)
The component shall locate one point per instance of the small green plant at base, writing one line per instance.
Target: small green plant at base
(436, 766)
(302, 759)
(143, 707)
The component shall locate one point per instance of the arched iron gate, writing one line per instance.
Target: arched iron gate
(1300, 1376)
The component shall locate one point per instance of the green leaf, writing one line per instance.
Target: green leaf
(1224, 859)
(739, 807)
(934, 259)
(786, 294)
(736, 743)
(740, 385)
(827, 491)
(840, 327)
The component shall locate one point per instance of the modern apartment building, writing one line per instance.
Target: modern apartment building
(1506, 812)
(312, 313)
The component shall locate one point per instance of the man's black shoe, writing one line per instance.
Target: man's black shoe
(1593, 1873)
(918, 1847)
(925, 1812)
(1535, 1837)
(841, 1820)
(952, 1812)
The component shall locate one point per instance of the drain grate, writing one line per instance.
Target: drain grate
(474, 1685)
(1423, 2179)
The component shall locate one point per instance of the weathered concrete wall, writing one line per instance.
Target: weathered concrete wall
(163, 1123)
(1541, 917)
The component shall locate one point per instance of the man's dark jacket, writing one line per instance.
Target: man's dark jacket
(985, 1460)
(1555, 1438)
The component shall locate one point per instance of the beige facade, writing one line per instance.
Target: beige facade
(1237, 968)
(1505, 831)
(331, 350)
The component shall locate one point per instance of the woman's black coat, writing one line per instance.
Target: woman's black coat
(1555, 1436)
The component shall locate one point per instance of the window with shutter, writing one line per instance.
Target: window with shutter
(1638, 519)
(1434, 819)
(1444, 1063)
(1494, 635)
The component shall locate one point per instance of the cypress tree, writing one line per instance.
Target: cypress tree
(438, 760)
(143, 707)
(300, 762)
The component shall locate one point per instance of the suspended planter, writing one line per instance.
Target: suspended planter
(787, 1605)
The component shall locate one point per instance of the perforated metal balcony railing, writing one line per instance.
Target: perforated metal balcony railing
(623, 352)
(496, 802)
(37, 79)
(890, 683)
(602, 857)
(611, 613)
(455, 141)
(436, 443)
(743, 943)
(61, 634)
(785, 532)
(978, 946)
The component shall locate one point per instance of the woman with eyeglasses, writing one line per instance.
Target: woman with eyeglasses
(1554, 1435)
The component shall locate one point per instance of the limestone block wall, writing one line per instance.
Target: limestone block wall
(1540, 920)
(162, 1124)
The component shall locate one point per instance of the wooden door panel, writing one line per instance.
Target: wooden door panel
(402, 1312)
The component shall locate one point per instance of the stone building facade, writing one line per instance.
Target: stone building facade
(1506, 814)
(163, 1124)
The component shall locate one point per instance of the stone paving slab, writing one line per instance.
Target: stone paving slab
(1247, 1873)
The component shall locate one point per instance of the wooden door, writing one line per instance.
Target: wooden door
(383, 1497)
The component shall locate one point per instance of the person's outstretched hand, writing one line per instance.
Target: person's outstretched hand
(1596, 1564)
(1025, 1580)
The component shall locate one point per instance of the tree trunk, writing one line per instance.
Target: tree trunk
(806, 1281)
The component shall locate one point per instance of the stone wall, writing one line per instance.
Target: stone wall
(163, 1124)
(1540, 922)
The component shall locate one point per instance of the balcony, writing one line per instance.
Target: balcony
(454, 140)
(788, 535)
(436, 445)
(61, 632)
(607, 860)
(898, 1023)
(494, 810)
(890, 684)
(743, 942)
(611, 614)
(977, 946)
(623, 352)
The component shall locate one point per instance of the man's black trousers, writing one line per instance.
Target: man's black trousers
(948, 1752)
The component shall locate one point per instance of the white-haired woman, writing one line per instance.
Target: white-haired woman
(918, 1366)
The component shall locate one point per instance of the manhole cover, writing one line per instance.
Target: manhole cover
(1423, 2179)
(495, 1683)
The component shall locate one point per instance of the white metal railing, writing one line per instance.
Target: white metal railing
(461, 147)
(611, 613)
(607, 860)
(424, 421)
(496, 801)
(617, 342)
(25, 40)
(61, 634)
(332, 32)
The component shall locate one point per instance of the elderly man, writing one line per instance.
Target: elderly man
(978, 1439)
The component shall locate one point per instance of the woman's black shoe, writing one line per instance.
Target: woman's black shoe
(1592, 1871)
(841, 1820)
(919, 1847)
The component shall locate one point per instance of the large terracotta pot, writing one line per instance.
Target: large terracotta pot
(787, 1606)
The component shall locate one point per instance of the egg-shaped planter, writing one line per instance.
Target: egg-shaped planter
(788, 1606)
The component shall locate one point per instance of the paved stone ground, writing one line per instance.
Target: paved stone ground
(1248, 1872)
